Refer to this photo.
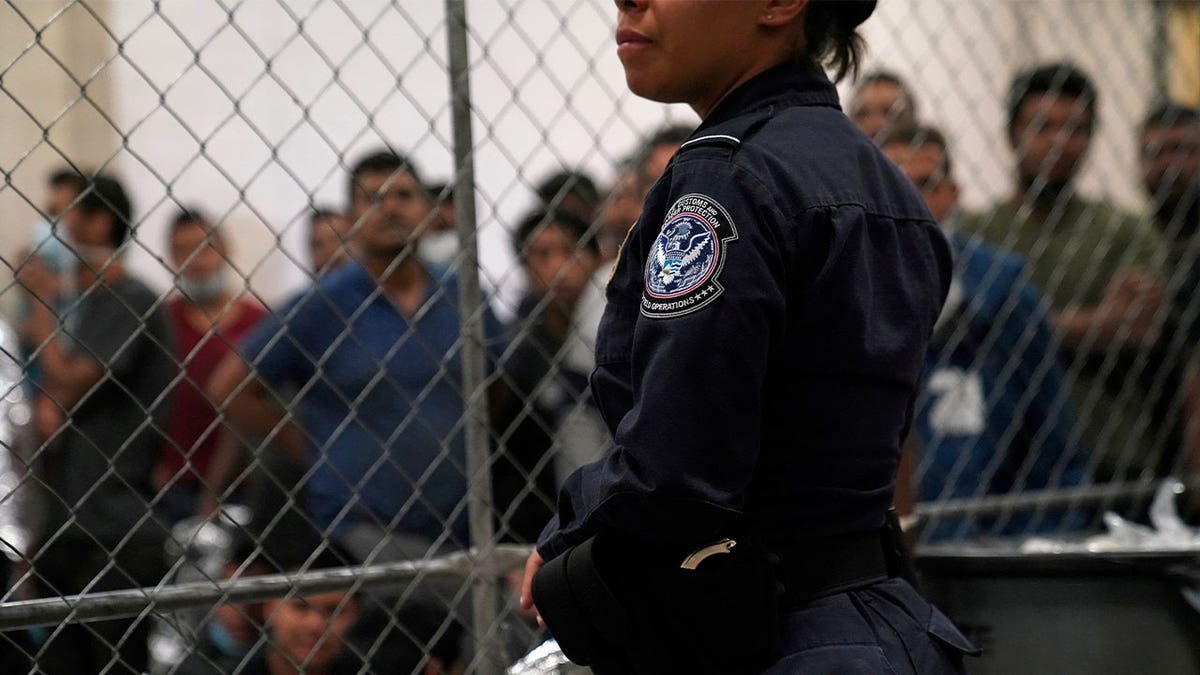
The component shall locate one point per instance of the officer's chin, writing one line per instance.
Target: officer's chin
(645, 87)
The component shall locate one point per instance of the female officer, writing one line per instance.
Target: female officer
(756, 365)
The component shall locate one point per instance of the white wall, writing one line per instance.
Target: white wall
(546, 86)
(961, 55)
(45, 120)
(207, 123)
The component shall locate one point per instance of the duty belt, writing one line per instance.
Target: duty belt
(808, 569)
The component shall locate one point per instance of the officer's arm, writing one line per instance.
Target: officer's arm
(688, 447)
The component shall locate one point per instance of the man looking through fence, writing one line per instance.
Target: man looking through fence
(50, 251)
(109, 380)
(995, 417)
(373, 350)
(882, 103)
(635, 177)
(538, 390)
(439, 243)
(208, 320)
(571, 191)
(1095, 263)
(583, 437)
(327, 233)
(1170, 164)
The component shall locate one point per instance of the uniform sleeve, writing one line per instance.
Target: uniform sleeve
(688, 446)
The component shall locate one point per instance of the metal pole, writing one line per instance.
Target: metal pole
(136, 601)
(1161, 48)
(470, 302)
(1080, 496)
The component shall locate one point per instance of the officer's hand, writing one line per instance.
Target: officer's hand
(532, 565)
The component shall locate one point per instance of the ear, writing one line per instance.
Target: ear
(777, 13)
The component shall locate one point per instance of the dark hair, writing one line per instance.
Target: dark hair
(187, 215)
(382, 161)
(555, 189)
(243, 549)
(436, 191)
(320, 213)
(191, 215)
(575, 226)
(889, 77)
(672, 134)
(104, 195)
(408, 636)
(68, 178)
(831, 36)
(1169, 114)
(280, 561)
(915, 137)
(424, 621)
(1058, 79)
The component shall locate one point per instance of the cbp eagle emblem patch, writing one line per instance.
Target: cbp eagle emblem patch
(687, 257)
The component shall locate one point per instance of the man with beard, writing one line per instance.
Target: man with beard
(1094, 262)
(373, 352)
(1170, 163)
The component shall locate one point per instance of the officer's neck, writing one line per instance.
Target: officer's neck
(705, 102)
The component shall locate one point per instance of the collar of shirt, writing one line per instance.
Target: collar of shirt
(789, 83)
(367, 287)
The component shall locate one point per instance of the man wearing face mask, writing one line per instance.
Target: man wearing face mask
(49, 255)
(439, 241)
(109, 381)
(373, 349)
(49, 242)
(209, 317)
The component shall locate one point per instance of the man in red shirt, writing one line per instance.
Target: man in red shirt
(209, 318)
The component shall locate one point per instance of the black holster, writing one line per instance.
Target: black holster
(622, 607)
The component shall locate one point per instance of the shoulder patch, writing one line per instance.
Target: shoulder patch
(685, 261)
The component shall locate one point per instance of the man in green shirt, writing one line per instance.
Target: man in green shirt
(1098, 266)
(1170, 161)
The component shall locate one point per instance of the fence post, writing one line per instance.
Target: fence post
(1160, 47)
(470, 301)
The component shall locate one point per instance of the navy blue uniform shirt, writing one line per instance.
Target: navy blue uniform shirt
(766, 324)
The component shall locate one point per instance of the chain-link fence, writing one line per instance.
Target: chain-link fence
(303, 296)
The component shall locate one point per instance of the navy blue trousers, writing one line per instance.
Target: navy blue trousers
(884, 628)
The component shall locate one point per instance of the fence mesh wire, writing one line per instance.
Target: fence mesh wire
(266, 375)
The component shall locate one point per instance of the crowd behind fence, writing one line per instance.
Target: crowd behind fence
(296, 351)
